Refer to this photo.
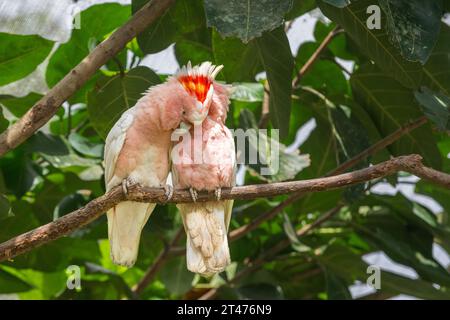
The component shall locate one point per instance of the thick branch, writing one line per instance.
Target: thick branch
(95, 208)
(46, 107)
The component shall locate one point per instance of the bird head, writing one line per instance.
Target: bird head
(197, 81)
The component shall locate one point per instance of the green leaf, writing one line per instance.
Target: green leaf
(85, 146)
(338, 3)
(183, 17)
(176, 277)
(11, 284)
(241, 62)
(195, 52)
(113, 95)
(4, 123)
(20, 55)
(279, 66)
(5, 207)
(245, 19)
(19, 105)
(273, 162)
(437, 69)
(248, 92)
(374, 43)
(299, 8)
(391, 106)
(436, 107)
(337, 288)
(413, 26)
(18, 172)
(324, 75)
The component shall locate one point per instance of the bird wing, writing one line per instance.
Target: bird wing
(229, 203)
(114, 143)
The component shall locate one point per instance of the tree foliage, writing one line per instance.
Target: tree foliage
(400, 73)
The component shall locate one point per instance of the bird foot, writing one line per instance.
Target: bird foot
(126, 184)
(194, 194)
(168, 192)
(218, 193)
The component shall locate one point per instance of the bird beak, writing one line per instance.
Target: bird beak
(184, 128)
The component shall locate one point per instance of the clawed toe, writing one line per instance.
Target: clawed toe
(168, 192)
(194, 194)
(218, 193)
(126, 184)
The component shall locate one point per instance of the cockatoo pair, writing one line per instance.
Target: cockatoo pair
(138, 149)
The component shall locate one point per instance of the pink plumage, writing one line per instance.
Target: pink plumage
(137, 150)
(205, 160)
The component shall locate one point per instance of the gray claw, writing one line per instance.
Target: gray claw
(125, 186)
(194, 194)
(168, 192)
(218, 193)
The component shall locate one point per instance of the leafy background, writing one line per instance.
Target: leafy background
(365, 85)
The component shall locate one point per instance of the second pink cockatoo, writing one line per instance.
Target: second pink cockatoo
(205, 160)
(137, 149)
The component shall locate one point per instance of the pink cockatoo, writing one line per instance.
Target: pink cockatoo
(205, 160)
(137, 149)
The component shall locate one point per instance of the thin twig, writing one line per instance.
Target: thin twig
(315, 55)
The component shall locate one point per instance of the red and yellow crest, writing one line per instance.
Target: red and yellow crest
(198, 79)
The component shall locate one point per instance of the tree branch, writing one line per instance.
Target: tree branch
(94, 209)
(47, 106)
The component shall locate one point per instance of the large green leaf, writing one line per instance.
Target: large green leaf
(413, 26)
(113, 95)
(11, 284)
(193, 51)
(183, 17)
(19, 105)
(436, 106)
(279, 66)
(5, 207)
(245, 19)
(20, 55)
(176, 277)
(241, 62)
(437, 69)
(391, 106)
(374, 43)
(299, 8)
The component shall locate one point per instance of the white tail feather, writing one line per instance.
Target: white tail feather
(207, 250)
(125, 223)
